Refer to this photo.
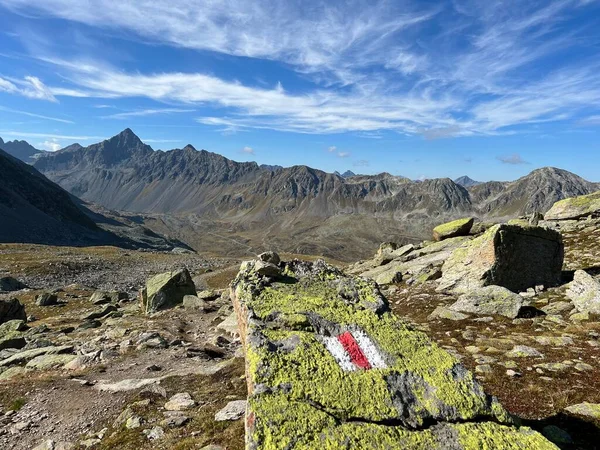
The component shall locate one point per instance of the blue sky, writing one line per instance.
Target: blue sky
(415, 88)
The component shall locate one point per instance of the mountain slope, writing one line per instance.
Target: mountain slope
(466, 182)
(36, 210)
(21, 150)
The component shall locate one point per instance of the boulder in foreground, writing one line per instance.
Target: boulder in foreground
(166, 290)
(329, 366)
(511, 256)
(490, 300)
(460, 227)
(575, 207)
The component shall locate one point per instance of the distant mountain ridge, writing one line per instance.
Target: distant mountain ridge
(22, 150)
(304, 209)
(467, 182)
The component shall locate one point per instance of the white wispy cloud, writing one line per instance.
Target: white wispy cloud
(248, 151)
(475, 70)
(147, 112)
(37, 116)
(29, 86)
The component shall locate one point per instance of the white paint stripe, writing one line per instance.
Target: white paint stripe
(339, 353)
(369, 349)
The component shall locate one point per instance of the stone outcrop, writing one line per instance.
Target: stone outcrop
(460, 227)
(166, 290)
(12, 310)
(511, 256)
(329, 366)
(490, 300)
(584, 292)
(575, 207)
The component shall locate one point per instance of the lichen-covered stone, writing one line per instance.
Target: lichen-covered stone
(460, 227)
(495, 300)
(575, 207)
(46, 299)
(511, 256)
(586, 409)
(398, 390)
(166, 290)
(584, 292)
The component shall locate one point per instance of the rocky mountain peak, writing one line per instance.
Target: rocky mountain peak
(466, 181)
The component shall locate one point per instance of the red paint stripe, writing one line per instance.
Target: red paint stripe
(353, 349)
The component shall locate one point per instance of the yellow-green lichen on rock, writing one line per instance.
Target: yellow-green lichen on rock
(460, 227)
(302, 394)
(575, 207)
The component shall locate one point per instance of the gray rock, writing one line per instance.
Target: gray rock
(9, 284)
(101, 313)
(584, 292)
(12, 309)
(556, 435)
(166, 290)
(266, 269)
(233, 411)
(442, 312)
(155, 433)
(180, 402)
(102, 297)
(46, 299)
(174, 419)
(270, 257)
(28, 355)
(511, 256)
(495, 300)
(575, 207)
(523, 351)
(193, 302)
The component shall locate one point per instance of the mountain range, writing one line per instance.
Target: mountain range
(193, 194)
(36, 210)
(22, 150)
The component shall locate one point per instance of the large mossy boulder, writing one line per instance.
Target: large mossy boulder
(12, 310)
(584, 292)
(460, 227)
(511, 256)
(166, 290)
(575, 207)
(329, 366)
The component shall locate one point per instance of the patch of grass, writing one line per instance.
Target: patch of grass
(17, 404)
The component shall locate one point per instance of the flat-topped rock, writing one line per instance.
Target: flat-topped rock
(575, 207)
(511, 256)
(460, 227)
(329, 366)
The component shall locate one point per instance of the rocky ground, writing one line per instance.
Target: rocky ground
(106, 382)
(106, 375)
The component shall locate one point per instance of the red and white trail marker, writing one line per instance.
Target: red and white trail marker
(354, 350)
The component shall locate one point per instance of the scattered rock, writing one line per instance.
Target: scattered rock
(512, 373)
(229, 326)
(103, 297)
(174, 419)
(441, 312)
(44, 362)
(511, 256)
(166, 290)
(194, 303)
(155, 433)
(101, 313)
(28, 355)
(460, 227)
(270, 257)
(46, 299)
(584, 292)
(523, 351)
(180, 402)
(233, 411)
(488, 300)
